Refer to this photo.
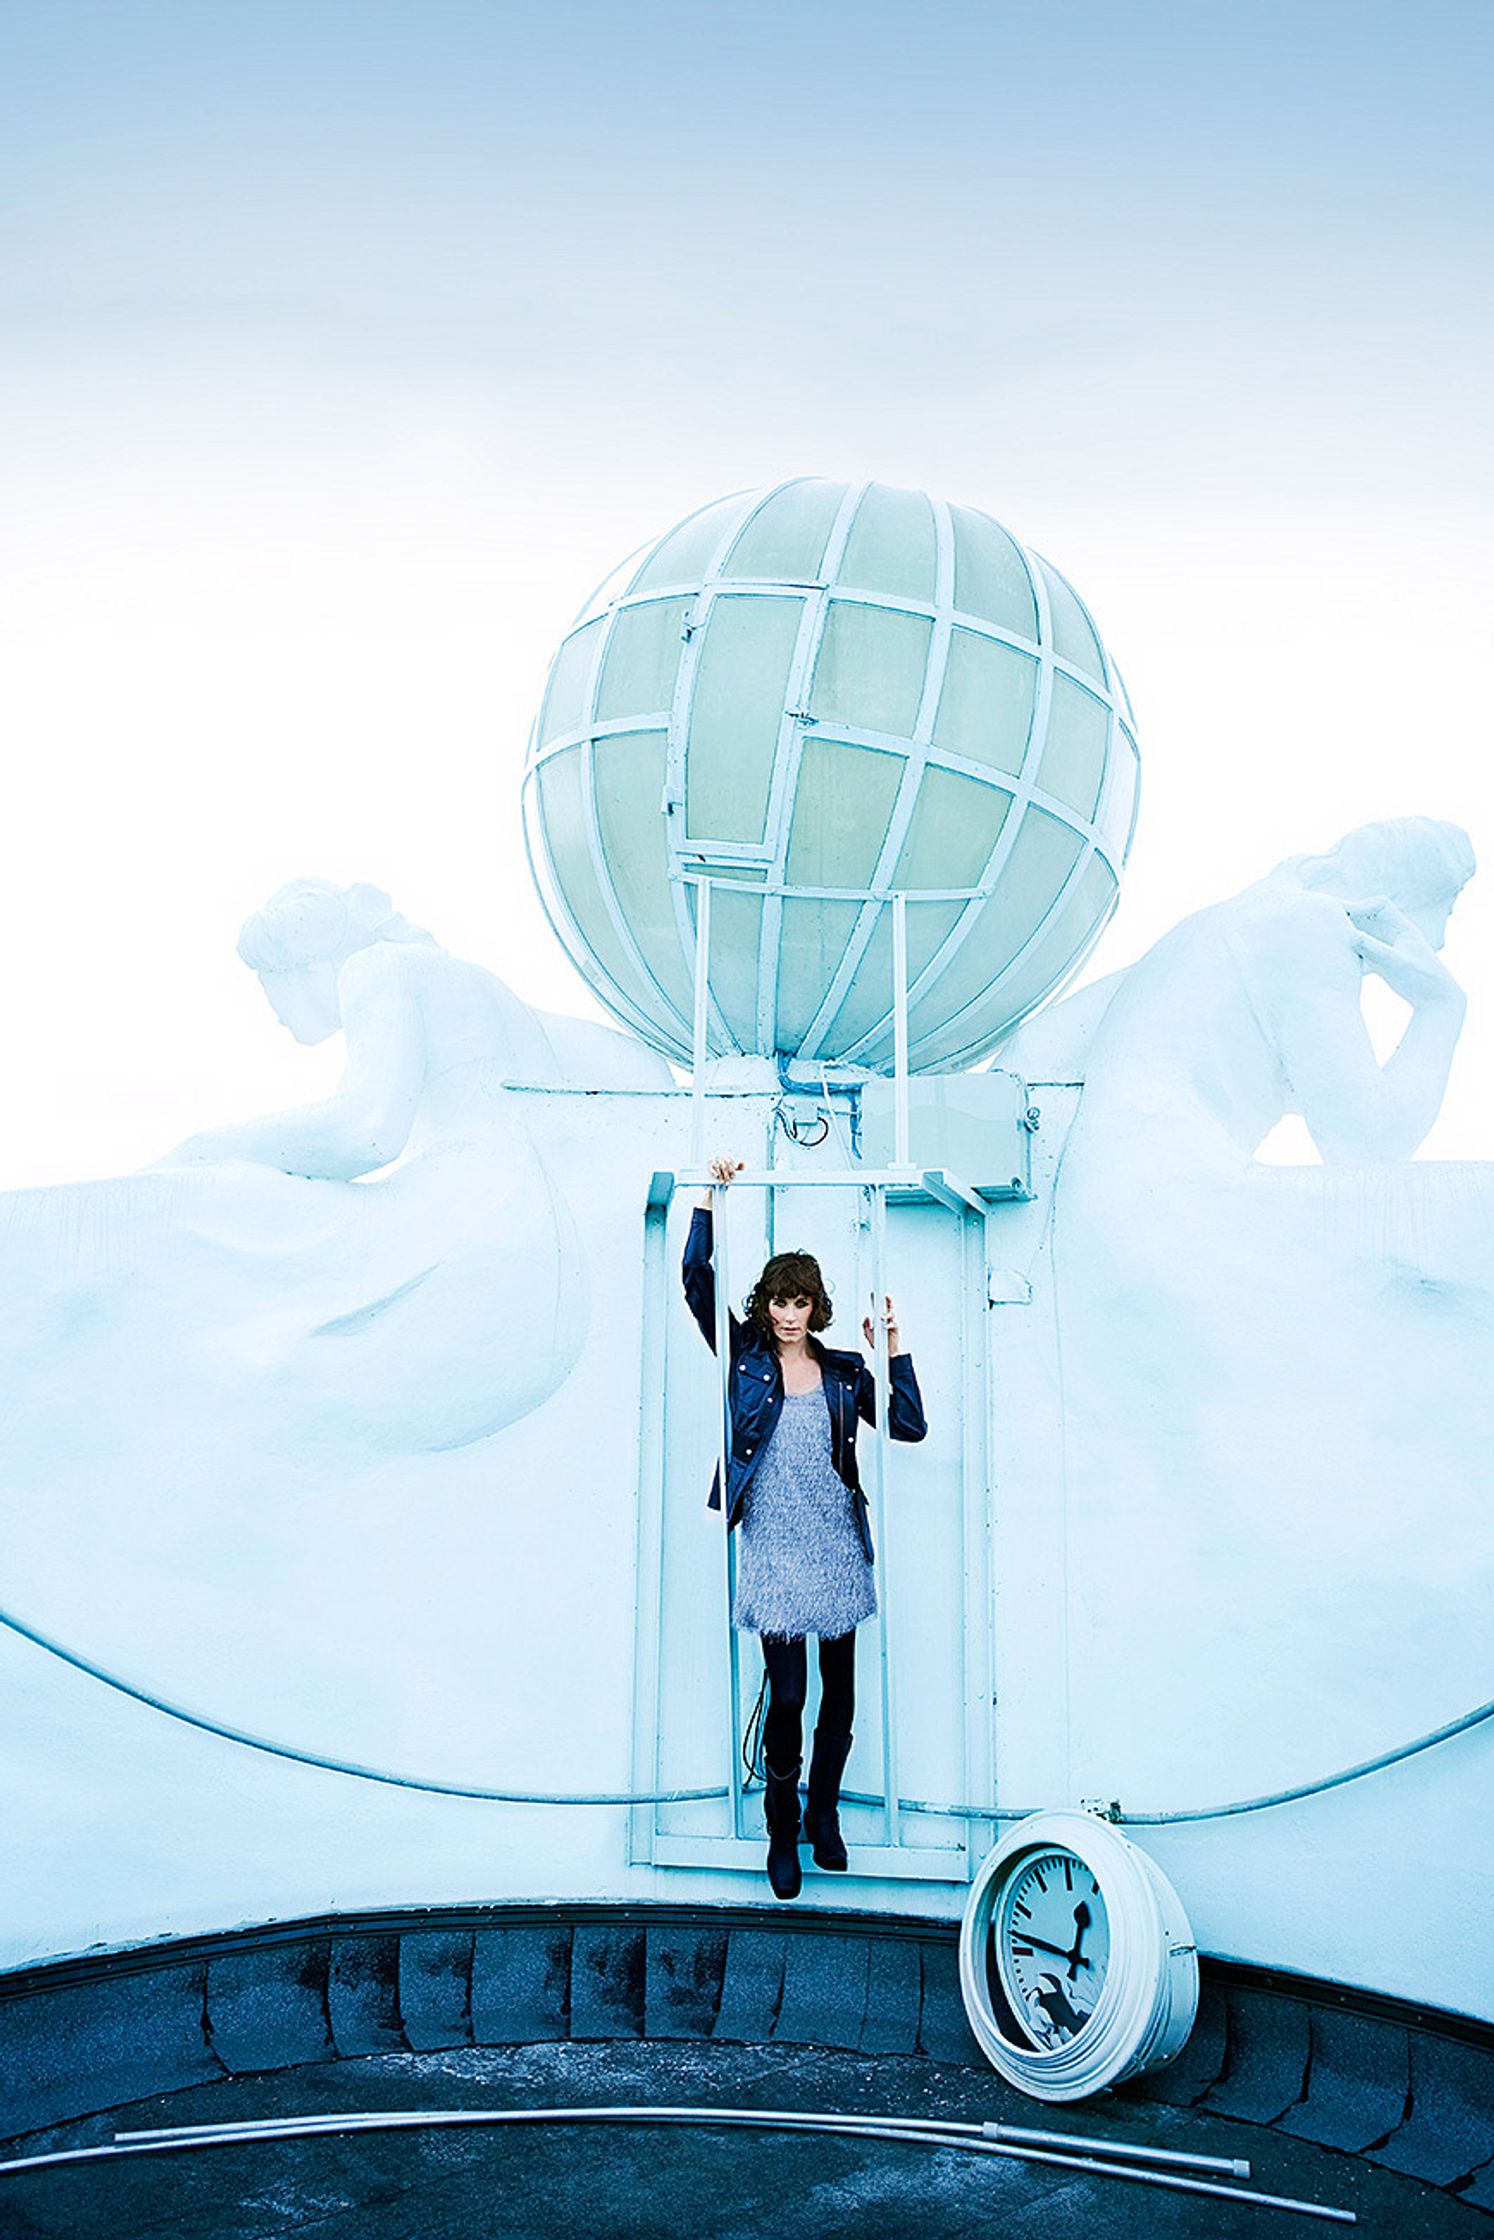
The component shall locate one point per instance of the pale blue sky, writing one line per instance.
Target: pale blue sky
(343, 346)
(804, 194)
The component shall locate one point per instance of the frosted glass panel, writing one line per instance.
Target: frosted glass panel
(563, 810)
(628, 785)
(990, 581)
(870, 671)
(985, 708)
(1058, 953)
(1135, 792)
(567, 837)
(1087, 908)
(1073, 638)
(570, 679)
(684, 556)
(736, 709)
(870, 993)
(642, 659)
(612, 586)
(786, 541)
(842, 807)
(812, 944)
(736, 927)
(955, 825)
(1030, 879)
(1073, 760)
(891, 545)
(1118, 809)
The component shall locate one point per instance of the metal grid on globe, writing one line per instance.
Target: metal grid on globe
(817, 697)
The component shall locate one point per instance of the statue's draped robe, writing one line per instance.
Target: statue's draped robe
(1277, 1399)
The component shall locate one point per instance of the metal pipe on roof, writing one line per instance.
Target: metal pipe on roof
(1229, 2166)
(914, 2130)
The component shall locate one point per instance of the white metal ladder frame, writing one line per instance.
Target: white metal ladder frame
(899, 1183)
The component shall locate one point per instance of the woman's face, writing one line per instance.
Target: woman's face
(1413, 884)
(1430, 919)
(791, 1319)
(305, 1001)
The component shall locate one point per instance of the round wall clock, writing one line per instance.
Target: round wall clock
(1077, 1964)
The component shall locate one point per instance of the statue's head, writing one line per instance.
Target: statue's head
(1421, 863)
(300, 940)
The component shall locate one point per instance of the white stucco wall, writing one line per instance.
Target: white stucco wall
(1199, 1591)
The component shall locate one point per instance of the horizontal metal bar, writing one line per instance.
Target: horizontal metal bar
(903, 1185)
(809, 1178)
(873, 1861)
(947, 1190)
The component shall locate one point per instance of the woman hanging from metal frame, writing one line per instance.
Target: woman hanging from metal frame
(806, 1551)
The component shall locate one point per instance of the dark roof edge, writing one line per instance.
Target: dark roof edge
(121, 1960)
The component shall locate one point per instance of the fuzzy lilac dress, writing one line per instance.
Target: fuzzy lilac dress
(801, 1567)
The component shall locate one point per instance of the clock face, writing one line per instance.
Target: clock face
(1051, 1934)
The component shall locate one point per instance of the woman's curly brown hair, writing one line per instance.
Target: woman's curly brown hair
(788, 1275)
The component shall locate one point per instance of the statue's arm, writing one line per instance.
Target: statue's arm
(366, 1121)
(1354, 1107)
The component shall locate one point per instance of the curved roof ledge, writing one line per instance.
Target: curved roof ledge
(1335, 2096)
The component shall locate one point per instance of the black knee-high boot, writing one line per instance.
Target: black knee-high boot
(781, 1811)
(822, 1813)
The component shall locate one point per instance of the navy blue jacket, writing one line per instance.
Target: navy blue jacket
(756, 1389)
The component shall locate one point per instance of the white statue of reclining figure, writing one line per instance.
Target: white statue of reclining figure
(1249, 1009)
(1273, 1380)
(390, 1270)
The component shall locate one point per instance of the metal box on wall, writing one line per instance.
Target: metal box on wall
(974, 1125)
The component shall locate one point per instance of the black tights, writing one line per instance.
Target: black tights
(788, 1680)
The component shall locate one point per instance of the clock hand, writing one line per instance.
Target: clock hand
(1021, 1936)
(1082, 1918)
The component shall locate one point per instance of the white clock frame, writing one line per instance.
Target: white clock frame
(1149, 1996)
